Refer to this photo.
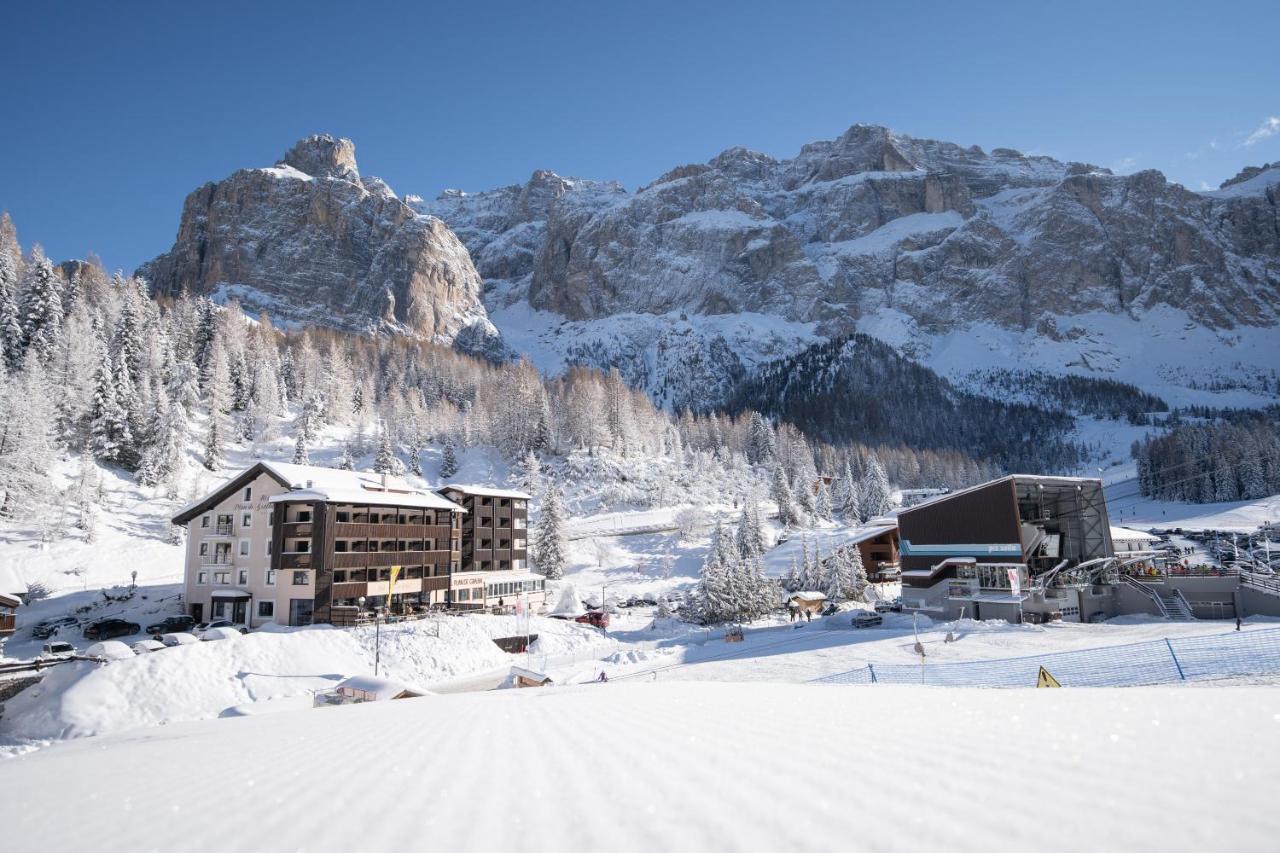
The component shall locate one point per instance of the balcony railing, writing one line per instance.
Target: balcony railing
(222, 530)
(293, 560)
(215, 559)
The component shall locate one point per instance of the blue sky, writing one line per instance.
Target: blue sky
(114, 112)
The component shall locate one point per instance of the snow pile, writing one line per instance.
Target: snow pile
(205, 679)
(689, 766)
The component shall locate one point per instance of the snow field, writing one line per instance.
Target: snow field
(682, 766)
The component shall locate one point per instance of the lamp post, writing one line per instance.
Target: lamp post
(377, 637)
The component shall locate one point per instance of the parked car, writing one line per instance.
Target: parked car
(220, 623)
(594, 618)
(50, 627)
(57, 650)
(172, 625)
(105, 629)
(225, 632)
(144, 647)
(894, 606)
(108, 650)
(178, 639)
(867, 620)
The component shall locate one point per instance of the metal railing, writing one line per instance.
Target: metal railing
(1215, 656)
(1148, 592)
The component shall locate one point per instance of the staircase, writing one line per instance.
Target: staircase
(1176, 606)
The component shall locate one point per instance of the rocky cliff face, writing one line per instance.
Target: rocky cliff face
(878, 220)
(872, 225)
(311, 241)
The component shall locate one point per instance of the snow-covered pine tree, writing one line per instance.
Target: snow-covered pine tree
(857, 574)
(345, 462)
(300, 456)
(839, 580)
(847, 499)
(448, 460)
(42, 309)
(750, 536)
(760, 443)
(548, 553)
(11, 337)
(385, 462)
(213, 444)
(712, 600)
(822, 502)
(781, 494)
(530, 473)
(875, 489)
(108, 422)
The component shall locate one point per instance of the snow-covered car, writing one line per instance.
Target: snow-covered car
(179, 638)
(109, 650)
(223, 632)
(867, 620)
(50, 627)
(144, 647)
(57, 650)
(891, 606)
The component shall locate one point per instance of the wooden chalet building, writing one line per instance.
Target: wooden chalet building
(297, 544)
(8, 618)
(494, 564)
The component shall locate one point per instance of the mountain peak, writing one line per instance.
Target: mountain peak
(323, 156)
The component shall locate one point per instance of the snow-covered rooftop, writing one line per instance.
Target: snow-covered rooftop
(487, 491)
(339, 486)
(1128, 534)
(378, 688)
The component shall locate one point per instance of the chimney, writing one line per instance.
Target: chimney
(309, 482)
(384, 481)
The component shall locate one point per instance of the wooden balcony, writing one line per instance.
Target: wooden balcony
(368, 559)
(357, 530)
(295, 561)
(8, 622)
(297, 528)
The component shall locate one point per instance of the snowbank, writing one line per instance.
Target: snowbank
(205, 679)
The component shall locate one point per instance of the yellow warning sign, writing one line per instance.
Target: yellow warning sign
(1046, 680)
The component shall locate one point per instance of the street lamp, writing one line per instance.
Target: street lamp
(377, 637)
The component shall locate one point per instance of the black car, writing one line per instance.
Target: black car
(173, 625)
(50, 627)
(108, 628)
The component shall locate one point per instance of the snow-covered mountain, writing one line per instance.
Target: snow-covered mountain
(311, 241)
(690, 283)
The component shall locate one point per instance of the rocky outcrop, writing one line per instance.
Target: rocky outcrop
(311, 242)
(876, 220)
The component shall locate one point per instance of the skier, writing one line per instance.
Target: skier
(603, 678)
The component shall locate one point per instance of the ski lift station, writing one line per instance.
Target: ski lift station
(1029, 548)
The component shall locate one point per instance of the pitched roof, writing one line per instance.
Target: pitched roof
(379, 688)
(331, 485)
(487, 491)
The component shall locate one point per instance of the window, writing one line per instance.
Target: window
(222, 577)
(244, 547)
(243, 577)
(268, 547)
(246, 520)
(266, 609)
(248, 493)
(464, 595)
(202, 578)
(486, 502)
(304, 515)
(299, 578)
(271, 577)
(343, 516)
(340, 547)
(204, 549)
(504, 502)
(204, 521)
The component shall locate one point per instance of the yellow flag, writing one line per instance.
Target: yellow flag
(1046, 680)
(391, 587)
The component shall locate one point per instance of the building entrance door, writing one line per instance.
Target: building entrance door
(300, 611)
(238, 613)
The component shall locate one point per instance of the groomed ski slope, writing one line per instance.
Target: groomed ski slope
(678, 766)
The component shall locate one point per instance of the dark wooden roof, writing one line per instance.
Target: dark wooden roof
(222, 492)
